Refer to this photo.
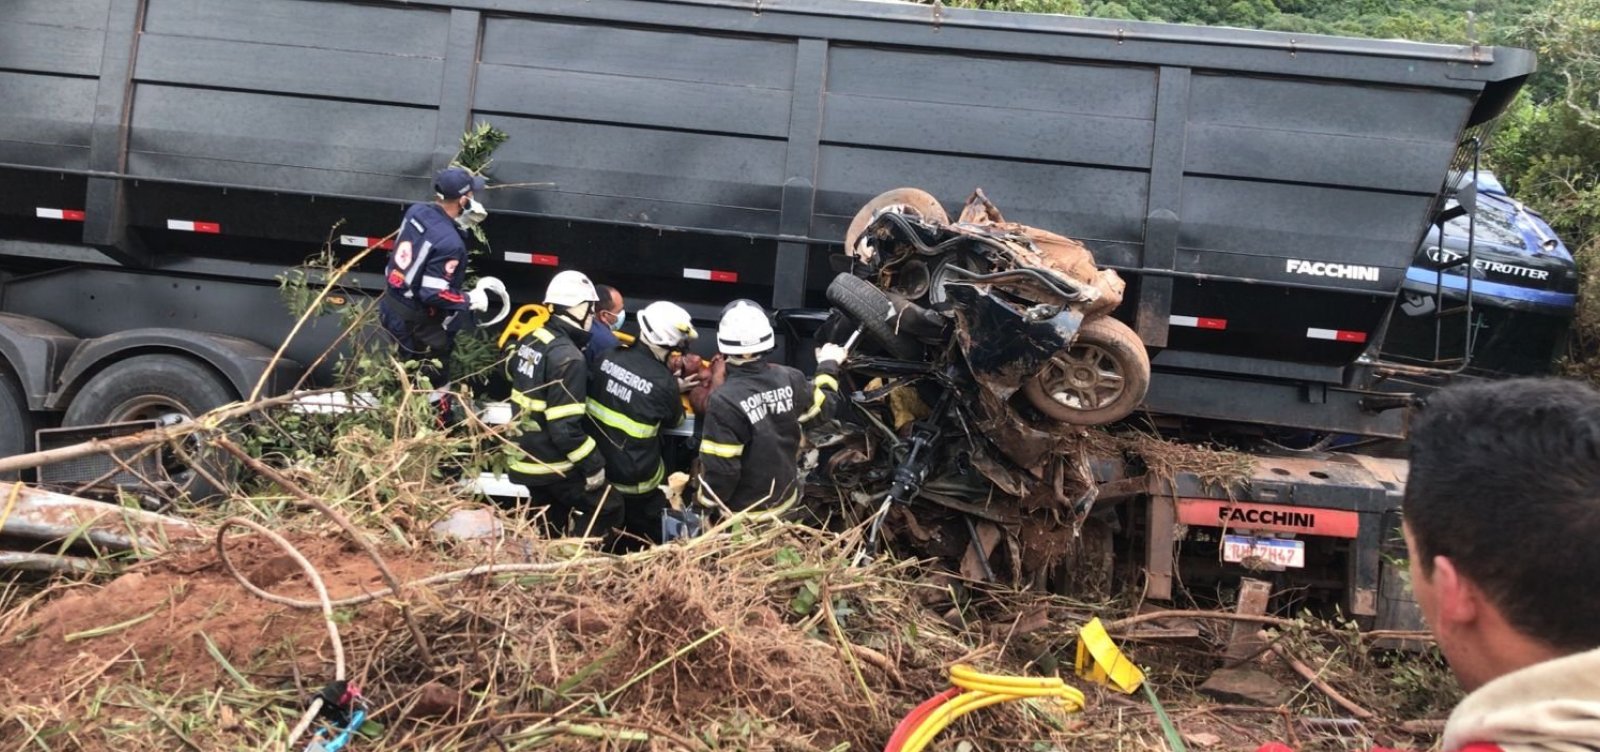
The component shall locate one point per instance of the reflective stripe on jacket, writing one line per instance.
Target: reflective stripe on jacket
(632, 396)
(549, 386)
(749, 453)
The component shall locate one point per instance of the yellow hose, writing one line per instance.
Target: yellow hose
(947, 713)
(983, 690)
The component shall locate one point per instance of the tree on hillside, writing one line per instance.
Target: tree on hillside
(1549, 150)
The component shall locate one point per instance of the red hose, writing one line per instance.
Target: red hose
(916, 717)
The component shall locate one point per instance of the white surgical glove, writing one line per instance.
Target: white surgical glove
(594, 482)
(478, 298)
(492, 284)
(830, 353)
(688, 383)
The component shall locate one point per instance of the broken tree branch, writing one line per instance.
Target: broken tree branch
(1398, 634)
(1306, 673)
(1276, 621)
(1122, 624)
(157, 435)
(306, 315)
(1424, 726)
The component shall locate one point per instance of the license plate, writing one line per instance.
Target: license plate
(1279, 552)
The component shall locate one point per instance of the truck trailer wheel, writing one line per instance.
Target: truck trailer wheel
(912, 201)
(871, 309)
(16, 422)
(1100, 379)
(168, 388)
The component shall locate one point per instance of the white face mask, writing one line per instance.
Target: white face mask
(471, 214)
(622, 316)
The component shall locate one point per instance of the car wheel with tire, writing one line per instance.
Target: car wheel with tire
(1099, 379)
(16, 421)
(162, 387)
(874, 313)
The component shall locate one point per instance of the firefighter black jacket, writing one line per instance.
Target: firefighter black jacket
(751, 446)
(632, 396)
(549, 384)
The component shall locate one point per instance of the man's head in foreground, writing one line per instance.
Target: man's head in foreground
(1502, 522)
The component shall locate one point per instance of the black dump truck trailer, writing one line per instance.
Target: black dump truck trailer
(1264, 194)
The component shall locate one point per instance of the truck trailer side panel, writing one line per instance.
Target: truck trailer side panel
(703, 151)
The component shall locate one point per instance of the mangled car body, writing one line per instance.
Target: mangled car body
(989, 345)
(1028, 308)
(991, 358)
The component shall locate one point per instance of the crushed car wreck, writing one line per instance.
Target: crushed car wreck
(989, 427)
(990, 348)
(1029, 308)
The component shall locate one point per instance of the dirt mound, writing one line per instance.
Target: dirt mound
(746, 656)
(175, 621)
(763, 639)
(680, 642)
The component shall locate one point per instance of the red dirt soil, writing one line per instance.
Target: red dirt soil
(179, 602)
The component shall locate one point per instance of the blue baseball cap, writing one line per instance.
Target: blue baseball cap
(455, 182)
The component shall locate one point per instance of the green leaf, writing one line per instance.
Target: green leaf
(787, 557)
(805, 600)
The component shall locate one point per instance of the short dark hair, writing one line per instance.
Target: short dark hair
(606, 294)
(1505, 480)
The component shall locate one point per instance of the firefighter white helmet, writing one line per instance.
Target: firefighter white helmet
(744, 330)
(666, 324)
(570, 288)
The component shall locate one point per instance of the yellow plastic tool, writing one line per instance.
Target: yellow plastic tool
(1101, 662)
(531, 317)
(526, 319)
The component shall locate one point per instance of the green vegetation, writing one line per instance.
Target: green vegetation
(1547, 151)
(1406, 19)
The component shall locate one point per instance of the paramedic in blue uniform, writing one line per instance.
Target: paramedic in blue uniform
(423, 306)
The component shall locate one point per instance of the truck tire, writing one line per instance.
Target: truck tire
(158, 387)
(871, 310)
(16, 422)
(913, 201)
(1100, 379)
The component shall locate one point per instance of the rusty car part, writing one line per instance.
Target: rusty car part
(900, 200)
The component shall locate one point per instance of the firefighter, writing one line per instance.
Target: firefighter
(750, 450)
(632, 396)
(562, 471)
(423, 306)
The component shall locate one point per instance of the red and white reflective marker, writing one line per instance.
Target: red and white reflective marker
(537, 259)
(713, 275)
(69, 215)
(188, 225)
(1199, 322)
(361, 241)
(1337, 335)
